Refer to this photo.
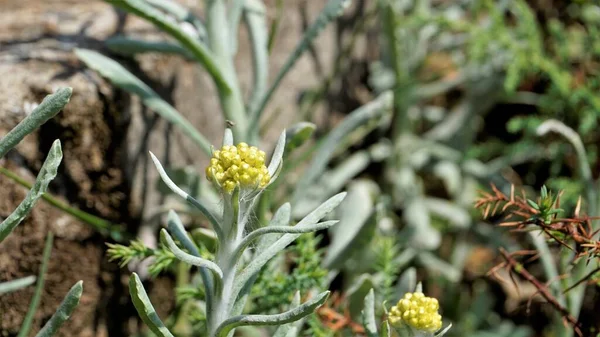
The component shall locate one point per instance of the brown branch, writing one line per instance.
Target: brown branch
(542, 289)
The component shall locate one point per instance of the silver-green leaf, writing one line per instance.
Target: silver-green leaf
(64, 311)
(50, 106)
(278, 319)
(145, 310)
(122, 78)
(47, 173)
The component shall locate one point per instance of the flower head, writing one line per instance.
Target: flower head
(417, 311)
(241, 165)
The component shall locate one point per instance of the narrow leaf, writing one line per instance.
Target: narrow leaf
(64, 311)
(50, 106)
(144, 307)
(188, 258)
(201, 53)
(264, 256)
(122, 78)
(37, 295)
(277, 157)
(10, 286)
(47, 173)
(281, 229)
(163, 175)
(284, 330)
(357, 224)
(176, 228)
(325, 152)
(256, 23)
(369, 315)
(127, 46)
(333, 9)
(283, 318)
(280, 218)
(297, 135)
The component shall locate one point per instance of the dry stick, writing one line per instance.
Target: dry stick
(583, 279)
(542, 289)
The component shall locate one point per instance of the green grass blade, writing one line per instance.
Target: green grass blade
(37, 295)
(122, 78)
(64, 311)
(333, 9)
(50, 106)
(47, 173)
(123, 45)
(160, 20)
(10, 286)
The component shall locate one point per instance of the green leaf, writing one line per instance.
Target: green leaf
(298, 134)
(280, 218)
(280, 230)
(122, 78)
(265, 255)
(285, 329)
(160, 20)
(278, 319)
(385, 329)
(191, 259)
(356, 224)
(176, 227)
(276, 159)
(333, 9)
(208, 214)
(39, 287)
(10, 286)
(358, 289)
(325, 152)
(369, 315)
(144, 307)
(64, 311)
(47, 173)
(180, 13)
(406, 284)
(255, 19)
(50, 106)
(126, 46)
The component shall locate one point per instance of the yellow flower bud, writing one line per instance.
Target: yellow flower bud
(240, 165)
(417, 311)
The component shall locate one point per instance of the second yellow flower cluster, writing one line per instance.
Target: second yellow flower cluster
(418, 311)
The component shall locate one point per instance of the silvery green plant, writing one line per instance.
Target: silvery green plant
(213, 44)
(240, 176)
(48, 108)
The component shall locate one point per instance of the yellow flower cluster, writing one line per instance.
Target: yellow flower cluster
(418, 311)
(241, 164)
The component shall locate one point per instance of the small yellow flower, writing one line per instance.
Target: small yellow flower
(418, 311)
(241, 165)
